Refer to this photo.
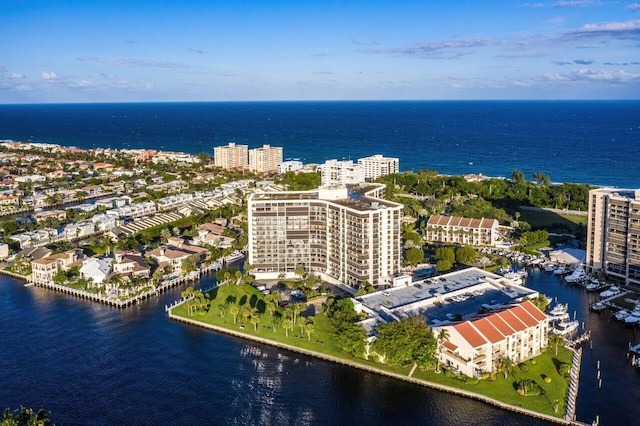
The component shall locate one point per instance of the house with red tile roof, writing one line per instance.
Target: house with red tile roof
(462, 230)
(476, 346)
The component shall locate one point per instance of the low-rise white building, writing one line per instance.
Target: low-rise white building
(518, 332)
(96, 270)
(462, 230)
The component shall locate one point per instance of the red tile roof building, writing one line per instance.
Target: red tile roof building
(476, 346)
(462, 230)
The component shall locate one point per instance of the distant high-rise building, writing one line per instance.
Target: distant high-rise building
(344, 238)
(231, 156)
(613, 233)
(265, 159)
(375, 166)
(344, 172)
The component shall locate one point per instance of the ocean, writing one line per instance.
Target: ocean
(595, 142)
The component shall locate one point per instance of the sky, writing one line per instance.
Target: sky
(234, 50)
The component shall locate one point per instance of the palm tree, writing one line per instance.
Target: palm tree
(245, 312)
(555, 340)
(301, 323)
(275, 322)
(300, 271)
(443, 335)
(506, 366)
(296, 308)
(287, 324)
(308, 328)
(234, 310)
(255, 319)
(223, 309)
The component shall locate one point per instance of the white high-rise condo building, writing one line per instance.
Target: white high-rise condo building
(375, 166)
(344, 172)
(231, 156)
(613, 233)
(265, 159)
(345, 237)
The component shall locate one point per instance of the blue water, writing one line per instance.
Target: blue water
(596, 142)
(92, 364)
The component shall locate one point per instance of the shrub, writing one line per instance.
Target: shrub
(547, 379)
(564, 369)
(486, 376)
(528, 387)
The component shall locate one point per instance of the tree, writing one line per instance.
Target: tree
(296, 308)
(506, 366)
(60, 277)
(189, 264)
(234, 310)
(308, 328)
(541, 179)
(255, 319)
(302, 322)
(517, 177)
(245, 313)
(555, 340)
(443, 335)
(276, 321)
(466, 255)
(300, 270)
(203, 158)
(223, 309)
(287, 324)
(408, 341)
(415, 256)
(25, 417)
(443, 265)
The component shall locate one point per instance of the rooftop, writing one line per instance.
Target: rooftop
(440, 299)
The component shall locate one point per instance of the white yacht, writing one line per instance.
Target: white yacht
(565, 328)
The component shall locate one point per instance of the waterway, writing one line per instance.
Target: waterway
(93, 364)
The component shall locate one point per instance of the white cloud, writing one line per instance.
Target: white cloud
(17, 76)
(634, 6)
(445, 49)
(577, 3)
(50, 76)
(628, 29)
(587, 75)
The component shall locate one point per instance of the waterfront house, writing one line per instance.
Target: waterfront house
(43, 269)
(130, 263)
(476, 346)
(175, 252)
(96, 270)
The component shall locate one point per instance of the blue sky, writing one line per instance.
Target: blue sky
(123, 51)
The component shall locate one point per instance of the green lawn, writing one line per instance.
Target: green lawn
(321, 341)
(545, 219)
(504, 389)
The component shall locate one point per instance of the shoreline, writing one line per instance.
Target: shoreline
(360, 366)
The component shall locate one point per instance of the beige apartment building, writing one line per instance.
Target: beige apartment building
(613, 233)
(375, 166)
(265, 159)
(231, 156)
(345, 237)
(462, 230)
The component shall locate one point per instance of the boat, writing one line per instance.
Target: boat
(561, 270)
(236, 255)
(612, 291)
(556, 319)
(621, 314)
(598, 306)
(565, 328)
(595, 285)
(550, 267)
(577, 276)
(632, 319)
(518, 277)
(559, 309)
